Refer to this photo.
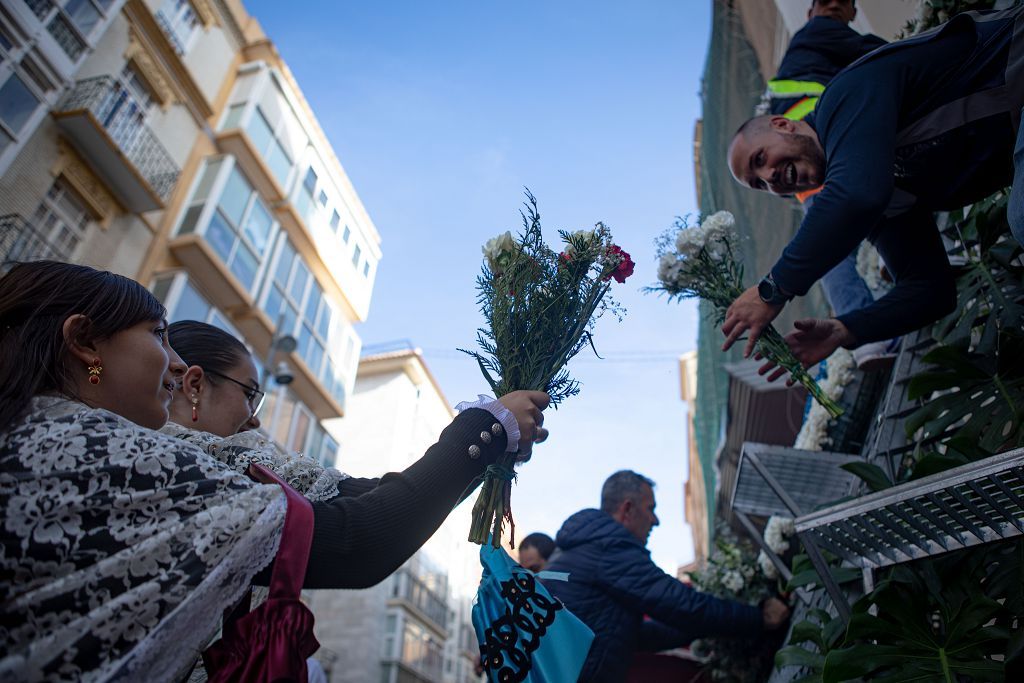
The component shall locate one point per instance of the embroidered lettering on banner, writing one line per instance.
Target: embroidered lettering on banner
(511, 639)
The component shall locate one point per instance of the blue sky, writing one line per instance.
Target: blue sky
(441, 113)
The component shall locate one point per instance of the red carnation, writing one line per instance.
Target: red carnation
(625, 264)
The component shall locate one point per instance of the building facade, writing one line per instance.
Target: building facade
(414, 627)
(167, 140)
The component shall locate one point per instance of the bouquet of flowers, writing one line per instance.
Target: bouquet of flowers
(732, 572)
(702, 262)
(540, 308)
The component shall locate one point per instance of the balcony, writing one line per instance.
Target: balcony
(104, 122)
(21, 241)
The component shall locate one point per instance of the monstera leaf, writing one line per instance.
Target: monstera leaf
(990, 287)
(935, 622)
(981, 395)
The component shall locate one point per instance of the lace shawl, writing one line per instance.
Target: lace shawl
(237, 451)
(120, 547)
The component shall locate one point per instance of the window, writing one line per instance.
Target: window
(17, 104)
(366, 269)
(71, 22)
(355, 256)
(185, 302)
(335, 219)
(61, 219)
(268, 145)
(322, 198)
(179, 22)
(345, 235)
(304, 199)
(232, 218)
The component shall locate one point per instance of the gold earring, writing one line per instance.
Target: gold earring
(94, 371)
(195, 408)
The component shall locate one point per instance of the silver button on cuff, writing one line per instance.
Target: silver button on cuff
(474, 452)
(485, 437)
(496, 429)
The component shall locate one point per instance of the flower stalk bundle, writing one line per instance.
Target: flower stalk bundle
(702, 262)
(540, 308)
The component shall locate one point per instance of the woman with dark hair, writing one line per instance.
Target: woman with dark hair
(120, 547)
(215, 408)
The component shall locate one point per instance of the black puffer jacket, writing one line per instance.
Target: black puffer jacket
(613, 583)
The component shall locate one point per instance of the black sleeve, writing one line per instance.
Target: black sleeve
(857, 125)
(359, 541)
(925, 288)
(656, 636)
(355, 486)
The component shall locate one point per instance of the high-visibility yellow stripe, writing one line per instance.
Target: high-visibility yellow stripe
(801, 109)
(795, 88)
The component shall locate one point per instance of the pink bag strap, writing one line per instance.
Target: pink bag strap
(296, 537)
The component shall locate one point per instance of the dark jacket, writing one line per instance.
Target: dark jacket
(820, 50)
(613, 583)
(917, 126)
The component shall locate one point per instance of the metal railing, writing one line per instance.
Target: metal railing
(21, 241)
(123, 118)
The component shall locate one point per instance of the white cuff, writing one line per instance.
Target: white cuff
(500, 413)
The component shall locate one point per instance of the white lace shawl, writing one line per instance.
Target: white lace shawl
(120, 547)
(237, 451)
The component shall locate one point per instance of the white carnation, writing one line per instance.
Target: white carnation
(496, 250)
(733, 581)
(766, 565)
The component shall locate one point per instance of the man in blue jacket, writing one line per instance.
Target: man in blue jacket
(612, 583)
(925, 124)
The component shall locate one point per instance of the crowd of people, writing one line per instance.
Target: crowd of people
(131, 519)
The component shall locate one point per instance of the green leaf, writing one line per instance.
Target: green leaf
(872, 475)
(794, 655)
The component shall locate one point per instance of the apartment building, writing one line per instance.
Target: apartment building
(168, 141)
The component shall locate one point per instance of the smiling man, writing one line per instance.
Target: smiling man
(922, 125)
(611, 583)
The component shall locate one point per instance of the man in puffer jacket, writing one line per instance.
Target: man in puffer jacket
(613, 583)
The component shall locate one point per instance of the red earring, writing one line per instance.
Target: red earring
(94, 371)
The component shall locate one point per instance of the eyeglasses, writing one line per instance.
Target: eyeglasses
(253, 395)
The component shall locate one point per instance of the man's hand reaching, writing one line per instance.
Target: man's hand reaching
(747, 314)
(811, 342)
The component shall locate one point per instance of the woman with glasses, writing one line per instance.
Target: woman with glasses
(216, 406)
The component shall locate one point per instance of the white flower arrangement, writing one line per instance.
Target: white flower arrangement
(869, 267)
(702, 261)
(839, 371)
(776, 534)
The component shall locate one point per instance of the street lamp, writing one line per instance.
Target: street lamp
(285, 343)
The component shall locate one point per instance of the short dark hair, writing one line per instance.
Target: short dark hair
(753, 125)
(35, 299)
(209, 347)
(621, 486)
(542, 543)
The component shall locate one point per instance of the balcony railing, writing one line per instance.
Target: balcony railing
(113, 108)
(21, 241)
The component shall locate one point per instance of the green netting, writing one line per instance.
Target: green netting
(731, 89)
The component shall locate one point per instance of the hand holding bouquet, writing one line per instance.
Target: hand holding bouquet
(540, 308)
(701, 262)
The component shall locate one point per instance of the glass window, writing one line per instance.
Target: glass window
(17, 104)
(66, 36)
(233, 117)
(355, 255)
(329, 452)
(366, 269)
(346, 234)
(179, 23)
(300, 431)
(191, 305)
(240, 226)
(335, 219)
(322, 198)
(83, 15)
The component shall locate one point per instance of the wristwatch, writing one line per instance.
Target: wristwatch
(770, 292)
